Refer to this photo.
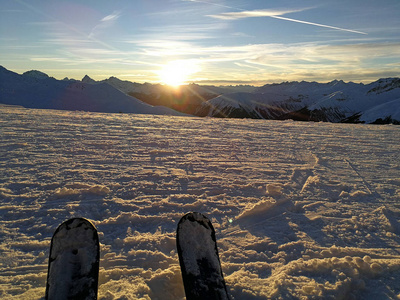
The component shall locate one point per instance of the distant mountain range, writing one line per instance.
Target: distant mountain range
(35, 89)
(336, 101)
(187, 99)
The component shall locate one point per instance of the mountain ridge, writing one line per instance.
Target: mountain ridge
(336, 101)
(35, 89)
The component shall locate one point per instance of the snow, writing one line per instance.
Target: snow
(390, 109)
(335, 101)
(301, 210)
(35, 89)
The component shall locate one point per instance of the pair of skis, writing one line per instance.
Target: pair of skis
(75, 254)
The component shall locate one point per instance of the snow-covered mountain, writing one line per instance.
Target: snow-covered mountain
(187, 99)
(336, 101)
(129, 87)
(34, 89)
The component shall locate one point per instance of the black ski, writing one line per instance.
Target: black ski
(74, 261)
(198, 256)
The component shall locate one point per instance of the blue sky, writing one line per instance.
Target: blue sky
(217, 42)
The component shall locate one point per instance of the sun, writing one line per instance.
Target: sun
(177, 72)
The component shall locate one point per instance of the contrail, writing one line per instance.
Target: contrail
(82, 34)
(274, 16)
(316, 24)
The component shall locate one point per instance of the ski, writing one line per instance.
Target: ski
(199, 260)
(73, 261)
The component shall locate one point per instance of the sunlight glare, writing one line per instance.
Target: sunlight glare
(177, 72)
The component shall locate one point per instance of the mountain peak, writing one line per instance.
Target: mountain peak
(385, 85)
(36, 74)
(87, 79)
(334, 82)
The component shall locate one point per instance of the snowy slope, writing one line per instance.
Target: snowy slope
(387, 110)
(301, 210)
(335, 101)
(250, 105)
(35, 89)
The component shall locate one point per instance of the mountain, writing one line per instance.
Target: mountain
(87, 79)
(158, 89)
(187, 99)
(35, 74)
(336, 101)
(34, 89)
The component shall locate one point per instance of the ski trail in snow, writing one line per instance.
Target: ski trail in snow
(366, 184)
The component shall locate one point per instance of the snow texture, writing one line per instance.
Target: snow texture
(301, 210)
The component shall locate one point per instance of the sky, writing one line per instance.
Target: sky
(206, 42)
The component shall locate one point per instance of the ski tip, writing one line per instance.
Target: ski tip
(74, 257)
(75, 223)
(194, 217)
(199, 259)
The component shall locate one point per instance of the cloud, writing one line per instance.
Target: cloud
(253, 14)
(113, 17)
(209, 3)
(276, 14)
(273, 53)
(106, 22)
(282, 62)
(198, 31)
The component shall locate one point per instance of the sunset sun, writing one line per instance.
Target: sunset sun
(176, 73)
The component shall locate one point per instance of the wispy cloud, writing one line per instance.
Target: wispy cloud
(278, 55)
(276, 14)
(211, 3)
(112, 17)
(253, 14)
(182, 33)
(106, 22)
(68, 32)
(280, 62)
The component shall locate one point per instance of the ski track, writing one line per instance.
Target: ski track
(301, 210)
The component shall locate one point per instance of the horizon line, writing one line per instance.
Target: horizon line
(215, 82)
